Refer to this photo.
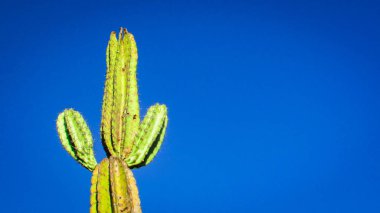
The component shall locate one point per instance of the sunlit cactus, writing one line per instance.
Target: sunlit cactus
(128, 142)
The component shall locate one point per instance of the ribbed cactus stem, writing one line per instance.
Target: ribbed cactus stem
(121, 112)
(127, 142)
(114, 188)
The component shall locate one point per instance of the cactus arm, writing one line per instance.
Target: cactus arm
(76, 138)
(103, 196)
(132, 108)
(75, 121)
(108, 95)
(64, 136)
(157, 144)
(82, 138)
(150, 129)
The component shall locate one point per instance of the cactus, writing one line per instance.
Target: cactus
(127, 142)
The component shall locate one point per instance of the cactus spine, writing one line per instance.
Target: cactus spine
(128, 142)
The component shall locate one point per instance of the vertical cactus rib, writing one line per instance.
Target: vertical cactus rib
(132, 189)
(93, 190)
(103, 190)
(111, 53)
(150, 129)
(120, 195)
(76, 138)
(132, 109)
(120, 90)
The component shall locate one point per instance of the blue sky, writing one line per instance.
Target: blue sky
(273, 105)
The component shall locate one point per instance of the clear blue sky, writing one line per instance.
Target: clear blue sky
(273, 105)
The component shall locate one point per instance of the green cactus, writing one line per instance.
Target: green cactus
(128, 142)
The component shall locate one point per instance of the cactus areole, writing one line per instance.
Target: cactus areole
(128, 142)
